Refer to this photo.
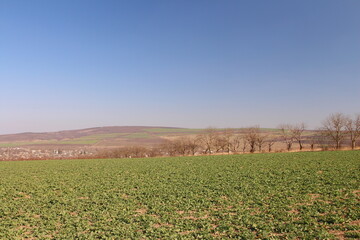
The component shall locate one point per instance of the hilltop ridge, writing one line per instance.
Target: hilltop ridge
(100, 136)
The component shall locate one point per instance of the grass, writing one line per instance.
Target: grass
(173, 130)
(260, 196)
(195, 130)
(88, 140)
(76, 141)
(14, 144)
(102, 136)
(138, 135)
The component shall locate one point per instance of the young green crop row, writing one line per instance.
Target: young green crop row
(262, 196)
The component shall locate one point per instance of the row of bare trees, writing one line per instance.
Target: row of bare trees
(210, 141)
(129, 152)
(293, 133)
(336, 130)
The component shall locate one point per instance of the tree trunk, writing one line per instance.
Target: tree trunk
(337, 144)
(289, 146)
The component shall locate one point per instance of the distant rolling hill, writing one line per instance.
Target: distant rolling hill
(96, 137)
(103, 137)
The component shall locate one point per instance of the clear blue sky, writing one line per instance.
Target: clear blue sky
(76, 64)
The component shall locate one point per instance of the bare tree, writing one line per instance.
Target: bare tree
(334, 128)
(270, 142)
(244, 144)
(251, 136)
(287, 135)
(260, 141)
(297, 132)
(193, 145)
(313, 139)
(221, 143)
(168, 148)
(228, 136)
(352, 127)
(357, 126)
(208, 138)
(235, 143)
(138, 151)
(181, 145)
(154, 152)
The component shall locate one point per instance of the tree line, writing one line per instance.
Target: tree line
(336, 130)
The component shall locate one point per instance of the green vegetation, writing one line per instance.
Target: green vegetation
(196, 130)
(91, 139)
(138, 135)
(173, 130)
(267, 196)
(102, 136)
(75, 141)
(14, 144)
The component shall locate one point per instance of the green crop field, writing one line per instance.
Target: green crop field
(167, 131)
(138, 135)
(259, 196)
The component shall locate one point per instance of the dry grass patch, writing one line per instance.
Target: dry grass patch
(141, 211)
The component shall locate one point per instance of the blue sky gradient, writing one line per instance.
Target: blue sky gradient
(77, 64)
